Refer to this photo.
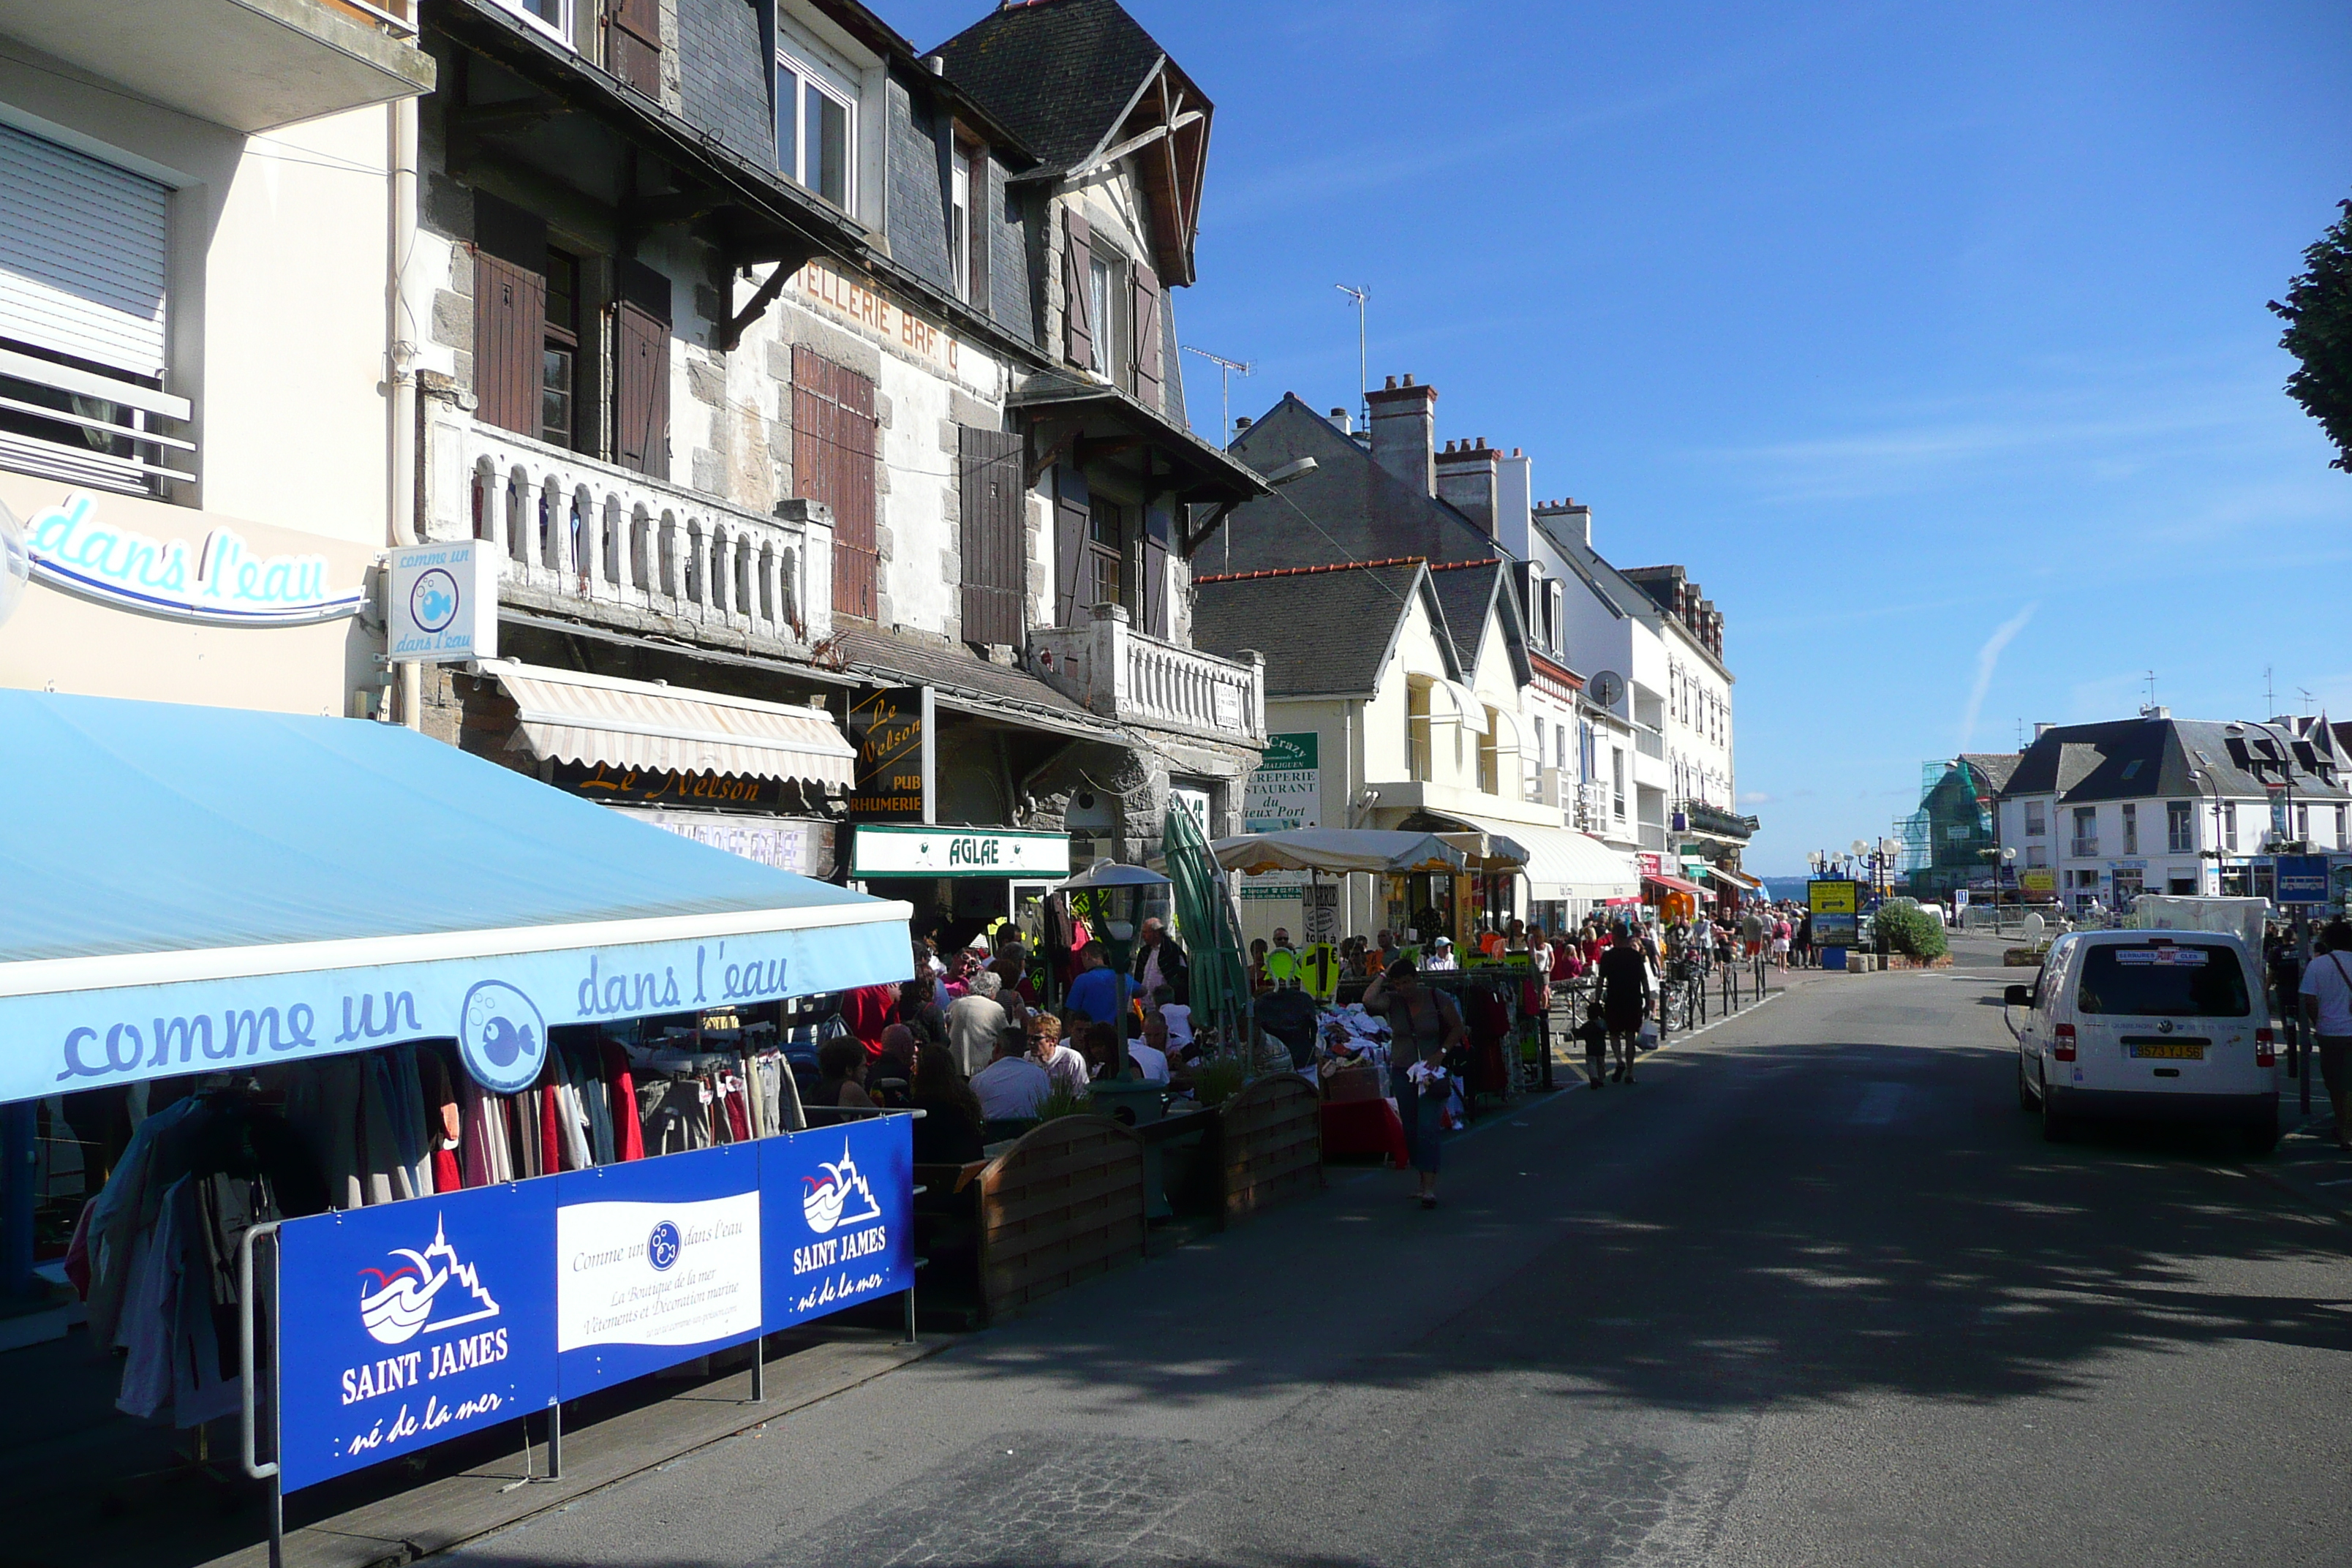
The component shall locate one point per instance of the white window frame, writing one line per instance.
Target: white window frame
(832, 83)
(559, 31)
(962, 239)
(1112, 310)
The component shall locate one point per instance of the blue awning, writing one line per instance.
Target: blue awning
(190, 890)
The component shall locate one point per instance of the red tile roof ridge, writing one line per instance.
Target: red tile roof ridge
(1309, 571)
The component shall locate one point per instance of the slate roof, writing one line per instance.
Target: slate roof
(963, 680)
(1358, 509)
(1060, 74)
(1468, 594)
(1324, 631)
(1993, 767)
(2136, 759)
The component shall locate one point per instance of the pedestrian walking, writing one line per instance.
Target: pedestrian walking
(1418, 1016)
(1782, 934)
(1433, 1116)
(2326, 996)
(1594, 1032)
(1625, 993)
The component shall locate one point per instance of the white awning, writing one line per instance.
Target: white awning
(1562, 863)
(576, 718)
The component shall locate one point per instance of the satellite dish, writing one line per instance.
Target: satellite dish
(1607, 688)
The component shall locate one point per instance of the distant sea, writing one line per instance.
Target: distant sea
(1786, 888)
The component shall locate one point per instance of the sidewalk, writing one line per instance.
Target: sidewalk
(2308, 1164)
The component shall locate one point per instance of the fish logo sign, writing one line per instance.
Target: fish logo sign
(838, 1197)
(397, 1304)
(502, 1037)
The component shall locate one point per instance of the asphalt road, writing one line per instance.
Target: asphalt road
(1812, 1292)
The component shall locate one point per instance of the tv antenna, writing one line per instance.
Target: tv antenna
(2150, 678)
(1363, 354)
(1227, 370)
(2270, 704)
(2306, 702)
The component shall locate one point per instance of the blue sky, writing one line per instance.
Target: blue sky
(1913, 330)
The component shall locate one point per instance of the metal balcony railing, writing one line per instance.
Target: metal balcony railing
(2083, 849)
(84, 429)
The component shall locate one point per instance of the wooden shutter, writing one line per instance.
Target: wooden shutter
(833, 462)
(1071, 506)
(641, 371)
(1077, 289)
(633, 43)
(994, 561)
(1145, 357)
(1155, 572)
(510, 313)
(509, 320)
(983, 230)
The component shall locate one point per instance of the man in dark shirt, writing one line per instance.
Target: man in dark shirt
(1624, 998)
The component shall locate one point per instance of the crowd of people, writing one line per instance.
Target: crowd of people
(969, 1041)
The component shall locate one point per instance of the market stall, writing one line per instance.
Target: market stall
(332, 992)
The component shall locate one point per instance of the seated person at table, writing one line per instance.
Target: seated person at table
(1099, 993)
(1012, 1088)
(1150, 1054)
(1178, 1019)
(1061, 1063)
(948, 1130)
(842, 1066)
(1096, 1042)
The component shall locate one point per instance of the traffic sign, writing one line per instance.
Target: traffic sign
(2303, 878)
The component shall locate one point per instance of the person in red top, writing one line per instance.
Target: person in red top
(868, 1011)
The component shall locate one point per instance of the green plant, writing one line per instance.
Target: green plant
(1061, 1102)
(2318, 314)
(1908, 930)
(1219, 1080)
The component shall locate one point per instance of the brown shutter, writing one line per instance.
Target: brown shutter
(1071, 506)
(833, 462)
(1146, 358)
(993, 559)
(1155, 573)
(641, 371)
(509, 320)
(1077, 289)
(983, 230)
(633, 43)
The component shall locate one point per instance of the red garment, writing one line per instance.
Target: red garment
(738, 1118)
(550, 1132)
(628, 1133)
(444, 1123)
(869, 1010)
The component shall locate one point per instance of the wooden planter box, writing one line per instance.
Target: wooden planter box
(1062, 1205)
(1269, 1145)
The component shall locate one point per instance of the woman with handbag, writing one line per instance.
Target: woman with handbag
(1421, 1021)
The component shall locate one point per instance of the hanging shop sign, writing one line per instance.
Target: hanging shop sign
(81, 546)
(441, 603)
(889, 851)
(895, 732)
(440, 1317)
(1286, 792)
(801, 845)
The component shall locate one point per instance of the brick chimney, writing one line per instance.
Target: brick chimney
(1404, 432)
(1466, 478)
(1571, 518)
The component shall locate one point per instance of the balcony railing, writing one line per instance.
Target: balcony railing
(571, 527)
(1650, 742)
(1111, 668)
(84, 428)
(2083, 849)
(1706, 817)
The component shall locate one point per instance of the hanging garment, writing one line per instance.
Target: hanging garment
(628, 1127)
(445, 1123)
(114, 1222)
(596, 1103)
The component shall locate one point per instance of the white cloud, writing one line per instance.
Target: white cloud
(1987, 657)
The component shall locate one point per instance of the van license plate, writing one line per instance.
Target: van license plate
(2172, 1052)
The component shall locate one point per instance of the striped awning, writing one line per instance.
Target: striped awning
(570, 717)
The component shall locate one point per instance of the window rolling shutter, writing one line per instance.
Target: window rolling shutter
(1071, 506)
(1145, 357)
(633, 43)
(81, 255)
(994, 562)
(1078, 291)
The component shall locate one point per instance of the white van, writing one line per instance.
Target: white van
(2148, 1026)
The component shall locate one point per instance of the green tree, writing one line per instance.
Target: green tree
(2318, 316)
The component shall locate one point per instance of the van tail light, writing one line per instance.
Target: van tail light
(2065, 1049)
(2265, 1048)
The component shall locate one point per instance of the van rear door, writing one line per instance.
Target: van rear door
(2169, 1014)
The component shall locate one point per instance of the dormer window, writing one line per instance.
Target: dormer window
(553, 17)
(816, 129)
